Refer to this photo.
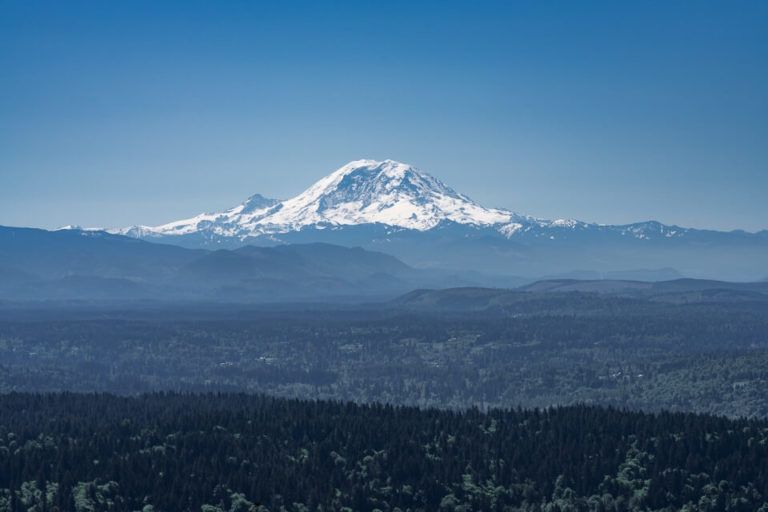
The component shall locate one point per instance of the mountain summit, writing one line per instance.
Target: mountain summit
(395, 207)
(388, 192)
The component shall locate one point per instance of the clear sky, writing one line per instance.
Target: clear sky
(118, 113)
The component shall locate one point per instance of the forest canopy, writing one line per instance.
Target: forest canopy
(236, 452)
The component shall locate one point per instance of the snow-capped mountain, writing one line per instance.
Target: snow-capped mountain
(386, 193)
(362, 192)
(393, 207)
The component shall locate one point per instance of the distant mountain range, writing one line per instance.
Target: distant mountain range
(572, 293)
(36, 264)
(395, 208)
(65, 265)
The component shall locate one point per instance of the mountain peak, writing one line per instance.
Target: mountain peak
(257, 202)
(381, 192)
(376, 176)
(369, 180)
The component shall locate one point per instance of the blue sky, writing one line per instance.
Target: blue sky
(117, 113)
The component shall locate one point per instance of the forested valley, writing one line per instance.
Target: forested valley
(556, 402)
(543, 350)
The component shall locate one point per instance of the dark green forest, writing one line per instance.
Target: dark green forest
(240, 452)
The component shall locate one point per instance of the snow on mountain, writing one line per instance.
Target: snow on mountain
(385, 193)
(74, 227)
(232, 222)
(361, 192)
